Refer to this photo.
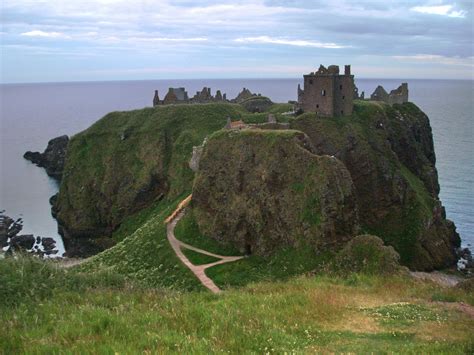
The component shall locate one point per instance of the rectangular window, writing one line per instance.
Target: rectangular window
(323, 92)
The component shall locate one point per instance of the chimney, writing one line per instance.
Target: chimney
(347, 70)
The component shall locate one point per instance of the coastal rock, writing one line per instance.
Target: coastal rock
(22, 242)
(262, 191)
(53, 158)
(9, 229)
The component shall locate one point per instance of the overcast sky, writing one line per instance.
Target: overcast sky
(69, 40)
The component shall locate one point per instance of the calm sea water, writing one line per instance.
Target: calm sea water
(31, 114)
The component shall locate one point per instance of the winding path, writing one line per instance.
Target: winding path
(198, 270)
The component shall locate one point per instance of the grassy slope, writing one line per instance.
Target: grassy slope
(97, 314)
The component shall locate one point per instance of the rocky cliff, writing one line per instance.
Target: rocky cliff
(52, 159)
(264, 190)
(390, 155)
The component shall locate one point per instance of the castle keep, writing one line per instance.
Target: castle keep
(327, 92)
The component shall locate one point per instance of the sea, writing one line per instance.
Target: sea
(32, 114)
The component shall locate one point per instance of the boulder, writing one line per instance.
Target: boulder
(367, 254)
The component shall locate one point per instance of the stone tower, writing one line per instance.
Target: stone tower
(156, 99)
(327, 92)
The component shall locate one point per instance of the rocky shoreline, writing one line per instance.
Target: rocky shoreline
(12, 242)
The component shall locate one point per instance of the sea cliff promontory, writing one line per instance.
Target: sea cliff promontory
(128, 161)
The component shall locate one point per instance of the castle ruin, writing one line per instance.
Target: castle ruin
(397, 96)
(180, 96)
(327, 92)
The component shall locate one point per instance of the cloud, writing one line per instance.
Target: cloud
(445, 10)
(287, 42)
(168, 39)
(437, 59)
(44, 34)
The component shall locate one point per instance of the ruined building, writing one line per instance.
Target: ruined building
(397, 96)
(180, 96)
(327, 92)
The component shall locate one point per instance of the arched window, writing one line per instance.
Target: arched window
(323, 92)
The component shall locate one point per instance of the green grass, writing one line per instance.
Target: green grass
(146, 256)
(304, 315)
(188, 232)
(198, 258)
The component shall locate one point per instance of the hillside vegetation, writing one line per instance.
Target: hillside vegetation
(47, 310)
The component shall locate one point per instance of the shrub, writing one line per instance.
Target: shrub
(367, 254)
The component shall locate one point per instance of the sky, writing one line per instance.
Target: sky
(84, 40)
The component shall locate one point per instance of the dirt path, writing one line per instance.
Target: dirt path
(437, 277)
(198, 270)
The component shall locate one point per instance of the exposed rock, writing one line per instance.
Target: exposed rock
(53, 158)
(265, 190)
(9, 237)
(22, 242)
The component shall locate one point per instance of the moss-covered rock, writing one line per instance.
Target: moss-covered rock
(257, 104)
(264, 190)
(367, 254)
(389, 153)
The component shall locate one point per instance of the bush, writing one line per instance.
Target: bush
(367, 254)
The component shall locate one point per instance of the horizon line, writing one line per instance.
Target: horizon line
(195, 79)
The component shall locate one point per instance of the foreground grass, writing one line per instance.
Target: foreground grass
(305, 314)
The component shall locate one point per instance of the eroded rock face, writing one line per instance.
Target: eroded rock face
(389, 153)
(265, 190)
(53, 158)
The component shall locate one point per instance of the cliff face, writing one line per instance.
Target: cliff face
(265, 190)
(389, 153)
